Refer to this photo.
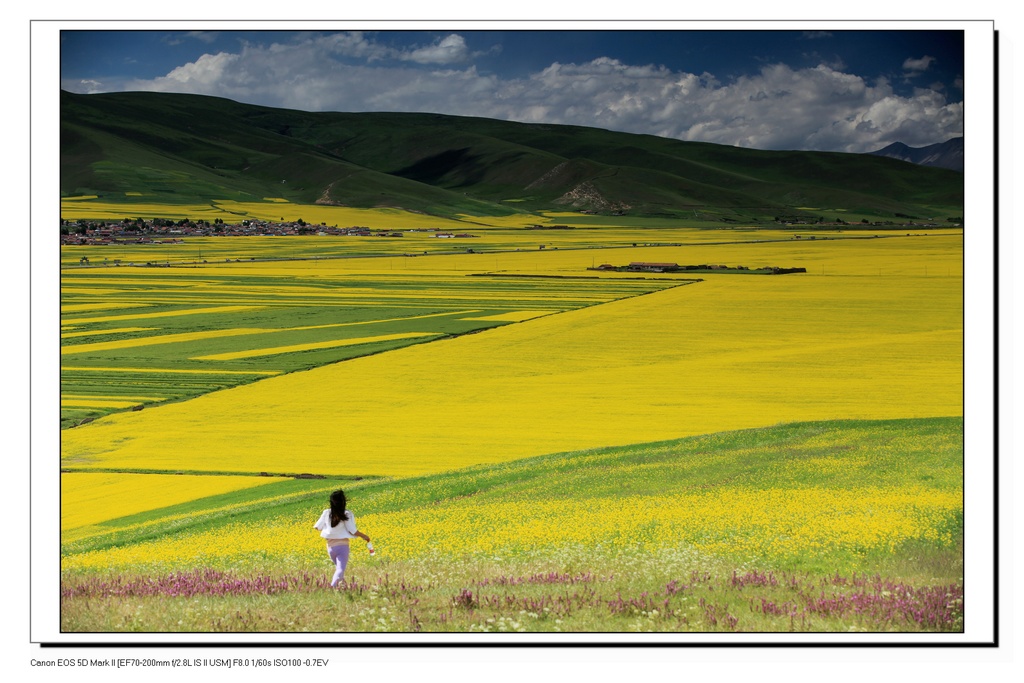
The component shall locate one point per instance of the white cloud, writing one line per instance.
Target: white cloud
(207, 71)
(779, 107)
(914, 67)
(207, 37)
(449, 50)
(353, 44)
(86, 86)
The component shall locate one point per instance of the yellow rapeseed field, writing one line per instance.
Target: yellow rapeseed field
(271, 209)
(89, 498)
(77, 308)
(513, 316)
(159, 339)
(109, 401)
(161, 314)
(734, 521)
(872, 330)
(90, 402)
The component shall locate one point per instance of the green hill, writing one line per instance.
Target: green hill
(187, 148)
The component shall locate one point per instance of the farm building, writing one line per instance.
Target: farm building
(652, 267)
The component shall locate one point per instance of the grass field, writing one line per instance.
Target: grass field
(533, 446)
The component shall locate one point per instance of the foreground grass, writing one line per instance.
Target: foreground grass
(815, 526)
(573, 590)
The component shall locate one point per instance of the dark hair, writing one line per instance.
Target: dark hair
(338, 507)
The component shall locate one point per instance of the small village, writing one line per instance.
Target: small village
(164, 231)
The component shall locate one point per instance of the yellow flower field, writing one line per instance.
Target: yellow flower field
(382, 320)
(162, 314)
(271, 209)
(108, 402)
(514, 316)
(774, 523)
(159, 339)
(89, 498)
(873, 330)
(777, 523)
(77, 308)
(89, 402)
(572, 359)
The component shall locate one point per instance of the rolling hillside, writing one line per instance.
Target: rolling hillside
(174, 148)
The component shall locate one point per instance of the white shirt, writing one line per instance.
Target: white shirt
(347, 528)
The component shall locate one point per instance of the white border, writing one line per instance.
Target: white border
(979, 341)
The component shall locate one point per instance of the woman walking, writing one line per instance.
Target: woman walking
(338, 525)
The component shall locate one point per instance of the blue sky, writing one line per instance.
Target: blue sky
(852, 91)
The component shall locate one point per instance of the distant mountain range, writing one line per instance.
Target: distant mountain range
(948, 154)
(179, 148)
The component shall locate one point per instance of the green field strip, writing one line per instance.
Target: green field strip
(184, 371)
(93, 333)
(97, 292)
(115, 398)
(162, 314)
(398, 300)
(160, 339)
(77, 308)
(315, 345)
(413, 302)
(121, 282)
(98, 403)
(372, 322)
(513, 316)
